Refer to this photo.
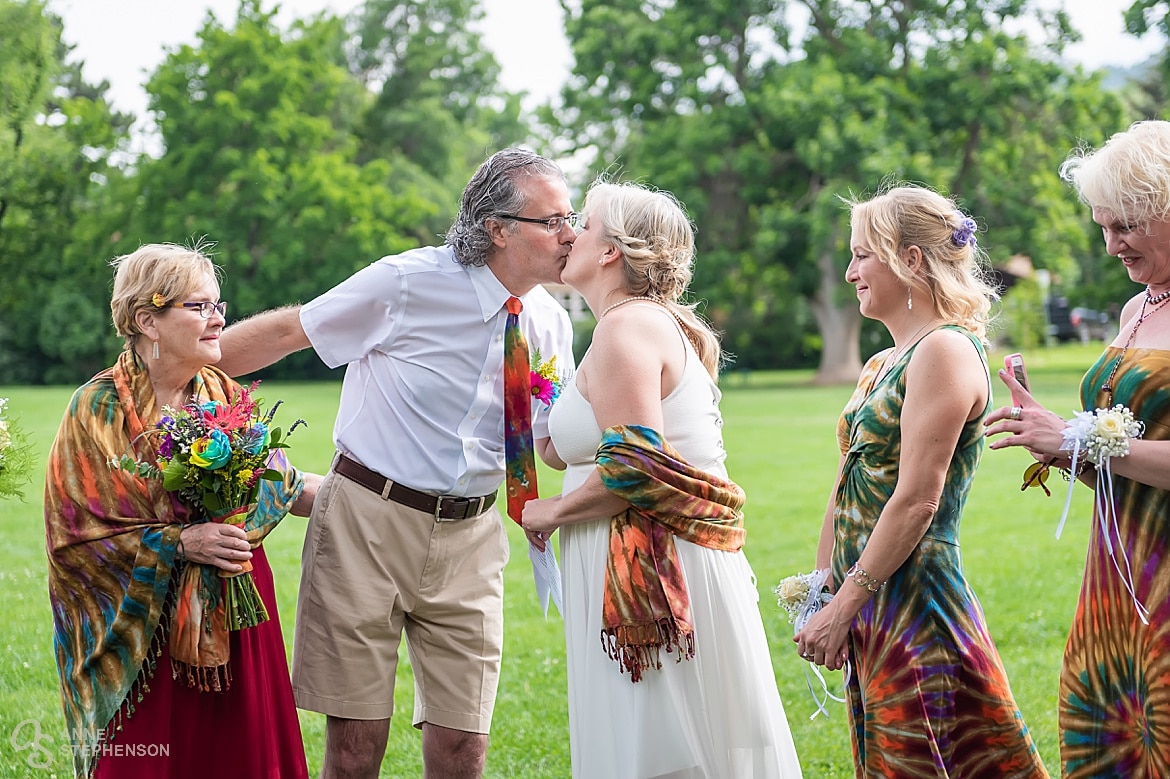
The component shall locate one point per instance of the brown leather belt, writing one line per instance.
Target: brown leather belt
(444, 508)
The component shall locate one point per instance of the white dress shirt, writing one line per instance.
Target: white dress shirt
(422, 402)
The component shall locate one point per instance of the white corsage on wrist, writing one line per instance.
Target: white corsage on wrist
(802, 595)
(1098, 436)
(1102, 433)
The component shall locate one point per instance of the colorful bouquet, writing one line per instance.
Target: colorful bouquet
(212, 456)
(803, 595)
(547, 381)
(16, 459)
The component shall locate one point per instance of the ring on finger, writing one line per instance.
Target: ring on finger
(1016, 412)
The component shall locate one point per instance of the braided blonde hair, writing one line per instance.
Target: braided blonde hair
(657, 242)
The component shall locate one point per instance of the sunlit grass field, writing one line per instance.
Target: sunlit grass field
(780, 435)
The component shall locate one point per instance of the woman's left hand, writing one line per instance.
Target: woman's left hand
(540, 520)
(822, 641)
(1029, 424)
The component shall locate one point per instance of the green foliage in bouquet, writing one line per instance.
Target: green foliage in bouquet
(213, 455)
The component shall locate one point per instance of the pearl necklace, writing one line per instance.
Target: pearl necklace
(1153, 299)
(627, 300)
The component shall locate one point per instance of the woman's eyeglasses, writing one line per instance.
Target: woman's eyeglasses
(205, 307)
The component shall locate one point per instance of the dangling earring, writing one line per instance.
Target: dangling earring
(909, 299)
(155, 353)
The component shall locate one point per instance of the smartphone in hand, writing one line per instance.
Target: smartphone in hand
(1015, 364)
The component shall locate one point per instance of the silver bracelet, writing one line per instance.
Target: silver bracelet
(862, 579)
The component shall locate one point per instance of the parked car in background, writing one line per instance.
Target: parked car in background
(1091, 325)
(1060, 326)
(1077, 324)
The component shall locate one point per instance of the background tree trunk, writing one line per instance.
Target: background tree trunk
(840, 325)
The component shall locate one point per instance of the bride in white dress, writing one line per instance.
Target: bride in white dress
(718, 714)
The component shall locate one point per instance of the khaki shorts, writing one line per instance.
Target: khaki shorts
(373, 568)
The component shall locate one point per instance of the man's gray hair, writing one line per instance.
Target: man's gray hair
(494, 191)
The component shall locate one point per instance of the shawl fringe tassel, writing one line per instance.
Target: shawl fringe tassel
(637, 648)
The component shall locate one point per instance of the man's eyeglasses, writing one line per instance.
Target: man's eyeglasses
(205, 307)
(553, 225)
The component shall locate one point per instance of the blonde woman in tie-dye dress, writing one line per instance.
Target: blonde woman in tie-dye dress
(1115, 679)
(927, 693)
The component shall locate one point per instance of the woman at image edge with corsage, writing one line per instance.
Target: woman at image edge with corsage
(1115, 678)
(927, 693)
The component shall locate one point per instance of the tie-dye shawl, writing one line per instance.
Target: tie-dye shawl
(112, 539)
(646, 607)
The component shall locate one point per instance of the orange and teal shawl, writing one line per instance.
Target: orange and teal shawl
(646, 607)
(112, 539)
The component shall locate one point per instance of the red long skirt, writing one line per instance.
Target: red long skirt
(250, 731)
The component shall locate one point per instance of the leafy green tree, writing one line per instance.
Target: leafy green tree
(261, 158)
(763, 139)
(436, 107)
(57, 136)
(1145, 15)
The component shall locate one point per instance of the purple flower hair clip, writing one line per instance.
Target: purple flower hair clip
(965, 233)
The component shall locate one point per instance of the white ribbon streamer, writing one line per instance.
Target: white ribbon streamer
(822, 702)
(813, 603)
(1106, 516)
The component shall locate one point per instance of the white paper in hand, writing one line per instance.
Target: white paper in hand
(547, 575)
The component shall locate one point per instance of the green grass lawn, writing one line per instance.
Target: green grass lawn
(780, 435)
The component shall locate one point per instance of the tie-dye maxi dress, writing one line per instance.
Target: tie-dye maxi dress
(1115, 680)
(928, 695)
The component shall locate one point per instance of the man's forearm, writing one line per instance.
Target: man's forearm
(261, 340)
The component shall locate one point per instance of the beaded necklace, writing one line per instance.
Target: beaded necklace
(1157, 301)
(1153, 299)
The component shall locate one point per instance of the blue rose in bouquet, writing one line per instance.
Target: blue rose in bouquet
(213, 456)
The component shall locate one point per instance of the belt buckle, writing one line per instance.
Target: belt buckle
(439, 505)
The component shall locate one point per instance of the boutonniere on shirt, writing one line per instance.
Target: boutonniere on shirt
(546, 379)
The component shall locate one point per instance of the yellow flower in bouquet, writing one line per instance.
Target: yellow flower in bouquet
(213, 456)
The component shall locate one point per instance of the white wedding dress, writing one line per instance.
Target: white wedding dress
(715, 716)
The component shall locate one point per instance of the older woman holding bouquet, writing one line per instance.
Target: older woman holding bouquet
(153, 682)
(928, 695)
(1115, 678)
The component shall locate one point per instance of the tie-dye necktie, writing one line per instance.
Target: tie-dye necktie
(520, 462)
